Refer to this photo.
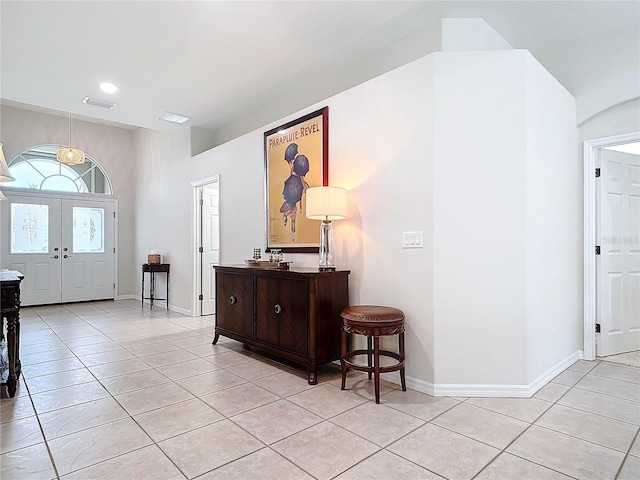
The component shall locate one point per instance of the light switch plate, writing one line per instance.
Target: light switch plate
(412, 240)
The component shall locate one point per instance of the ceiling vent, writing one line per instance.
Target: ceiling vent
(98, 103)
(174, 117)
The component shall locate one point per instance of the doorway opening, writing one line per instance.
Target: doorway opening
(206, 234)
(611, 247)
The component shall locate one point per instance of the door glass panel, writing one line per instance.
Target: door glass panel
(88, 230)
(29, 228)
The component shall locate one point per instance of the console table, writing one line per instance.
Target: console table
(152, 269)
(10, 310)
(292, 314)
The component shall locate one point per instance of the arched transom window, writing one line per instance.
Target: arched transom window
(37, 168)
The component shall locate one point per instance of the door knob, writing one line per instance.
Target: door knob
(233, 300)
(65, 249)
(55, 256)
(66, 256)
(55, 249)
(278, 308)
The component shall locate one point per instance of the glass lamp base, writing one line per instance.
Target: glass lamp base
(326, 247)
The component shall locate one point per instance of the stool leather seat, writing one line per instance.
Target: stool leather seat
(372, 321)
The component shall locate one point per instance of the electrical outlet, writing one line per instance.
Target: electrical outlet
(412, 240)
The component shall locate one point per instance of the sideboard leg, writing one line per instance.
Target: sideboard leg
(313, 374)
(215, 339)
(12, 380)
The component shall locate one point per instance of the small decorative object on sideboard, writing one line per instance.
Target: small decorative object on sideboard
(154, 257)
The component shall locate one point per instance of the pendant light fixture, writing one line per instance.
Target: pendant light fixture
(68, 155)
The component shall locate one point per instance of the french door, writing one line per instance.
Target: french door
(63, 246)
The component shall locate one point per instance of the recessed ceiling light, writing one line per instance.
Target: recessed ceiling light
(174, 117)
(108, 87)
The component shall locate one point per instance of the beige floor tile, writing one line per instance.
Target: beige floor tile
(611, 386)
(59, 380)
(587, 426)
(187, 369)
(118, 368)
(444, 452)
(635, 448)
(47, 368)
(583, 366)
(152, 349)
(57, 344)
(167, 422)
(16, 408)
(601, 404)
(41, 357)
(569, 455)
(194, 454)
(275, 421)
(327, 400)
(264, 464)
(94, 445)
(552, 392)
(134, 381)
(377, 423)
(365, 388)
(169, 358)
(139, 341)
(229, 358)
(39, 337)
(30, 463)
(418, 404)
(325, 450)
(241, 398)
(386, 465)
(210, 382)
(619, 372)
(145, 463)
(95, 348)
(569, 377)
(76, 331)
(150, 398)
(91, 340)
(525, 409)
(208, 350)
(106, 357)
(507, 467)
(630, 469)
(254, 369)
(193, 341)
(483, 425)
(67, 396)
(80, 417)
(19, 434)
(284, 384)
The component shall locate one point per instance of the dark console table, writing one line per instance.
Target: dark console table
(10, 310)
(292, 314)
(152, 269)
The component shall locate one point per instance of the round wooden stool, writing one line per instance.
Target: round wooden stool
(372, 321)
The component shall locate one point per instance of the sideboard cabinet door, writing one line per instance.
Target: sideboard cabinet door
(235, 303)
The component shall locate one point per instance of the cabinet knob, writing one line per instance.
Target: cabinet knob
(278, 308)
(233, 300)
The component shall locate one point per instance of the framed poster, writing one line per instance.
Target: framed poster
(296, 158)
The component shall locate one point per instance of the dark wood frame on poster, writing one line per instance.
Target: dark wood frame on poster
(309, 134)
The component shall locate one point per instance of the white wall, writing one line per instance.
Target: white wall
(479, 226)
(111, 147)
(553, 224)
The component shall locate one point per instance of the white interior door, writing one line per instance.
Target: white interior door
(210, 242)
(618, 265)
(30, 235)
(87, 250)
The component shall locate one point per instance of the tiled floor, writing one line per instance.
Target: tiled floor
(110, 391)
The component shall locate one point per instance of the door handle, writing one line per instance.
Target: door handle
(55, 249)
(278, 308)
(66, 256)
(55, 256)
(233, 300)
(65, 249)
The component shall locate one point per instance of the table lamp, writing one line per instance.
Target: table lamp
(326, 204)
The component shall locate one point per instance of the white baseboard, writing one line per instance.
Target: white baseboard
(477, 390)
(161, 304)
(128, 297)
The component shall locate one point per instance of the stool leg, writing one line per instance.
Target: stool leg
(342, 358)
(369, 356)
(376, 370)
(401, 345)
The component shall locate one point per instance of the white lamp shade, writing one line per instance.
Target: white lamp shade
(328, 203)
(5, 176)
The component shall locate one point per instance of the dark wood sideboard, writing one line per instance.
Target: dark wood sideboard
(10, 310)
(293, 314)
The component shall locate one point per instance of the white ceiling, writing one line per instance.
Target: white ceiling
(222, 62)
